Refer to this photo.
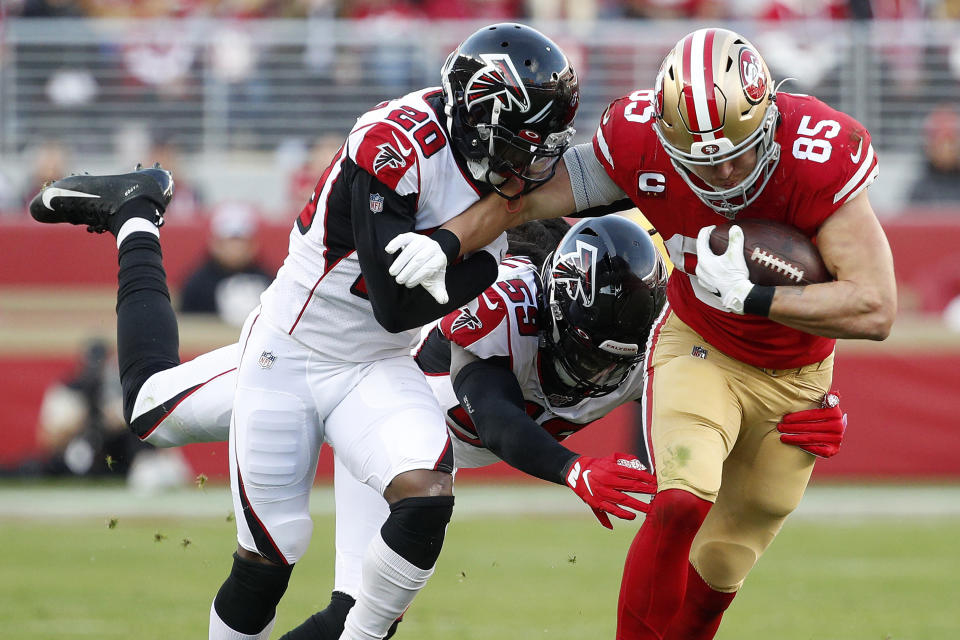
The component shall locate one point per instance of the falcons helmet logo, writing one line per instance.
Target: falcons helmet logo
(575, 271)
(389, 156)
(497, 80)
(466, 320)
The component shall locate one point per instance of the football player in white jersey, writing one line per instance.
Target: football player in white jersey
(327, 358)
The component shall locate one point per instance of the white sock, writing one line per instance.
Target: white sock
(134, 225)
(220, 631)
(389, 585)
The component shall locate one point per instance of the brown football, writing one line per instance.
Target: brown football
(776, 253)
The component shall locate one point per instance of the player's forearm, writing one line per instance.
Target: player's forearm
(492, 397)
(484, 220)
(551, 200)
(398, 308)
(841, 309)
(481, 223)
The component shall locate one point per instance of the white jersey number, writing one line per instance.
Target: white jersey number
(815, 149)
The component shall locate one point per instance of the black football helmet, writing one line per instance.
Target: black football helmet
(510, 97)
(603, 288)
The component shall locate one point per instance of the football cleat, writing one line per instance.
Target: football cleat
(91, 200)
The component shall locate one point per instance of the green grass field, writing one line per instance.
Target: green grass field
(67, 574)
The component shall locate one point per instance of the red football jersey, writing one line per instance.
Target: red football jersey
(825, 160)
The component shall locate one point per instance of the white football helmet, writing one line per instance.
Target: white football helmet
(715, 101)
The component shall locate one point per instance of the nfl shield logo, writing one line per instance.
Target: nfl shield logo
(376, 202)
(266, 360)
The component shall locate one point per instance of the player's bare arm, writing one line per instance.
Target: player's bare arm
(862, 302)
(482, 222)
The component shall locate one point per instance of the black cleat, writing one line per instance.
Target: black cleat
(91, 200)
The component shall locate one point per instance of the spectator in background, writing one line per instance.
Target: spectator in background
(939, 184)
(49, 162)
(50, 9)
(303, 180)
(82, 433)
(190, 198)
(230, 280)
(81, 426)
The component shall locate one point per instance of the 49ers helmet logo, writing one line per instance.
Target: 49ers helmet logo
(575, 271)
(497, 80)
(752, 77)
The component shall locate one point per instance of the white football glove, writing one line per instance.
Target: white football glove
(726, 274)
(497, 248)
(421, 262)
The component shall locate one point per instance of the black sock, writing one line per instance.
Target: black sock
(148, 340)
(137, 208)
(328, 624)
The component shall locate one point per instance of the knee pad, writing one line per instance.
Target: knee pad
(247, 600)
(415, 528)
(724, 565)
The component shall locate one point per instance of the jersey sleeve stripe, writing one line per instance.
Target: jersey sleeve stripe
(857, 177)
(866, 183)
(604, 149)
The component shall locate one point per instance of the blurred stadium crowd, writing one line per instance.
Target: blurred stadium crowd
(264, 90)
(492, 10)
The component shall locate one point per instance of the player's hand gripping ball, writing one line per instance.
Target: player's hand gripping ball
(776, 254)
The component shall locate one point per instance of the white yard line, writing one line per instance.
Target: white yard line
(820, 502)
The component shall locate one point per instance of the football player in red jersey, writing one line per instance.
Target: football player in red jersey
(738, 403)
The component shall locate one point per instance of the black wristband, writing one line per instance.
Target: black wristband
(449, 243)
(758, 301)
(567, 466)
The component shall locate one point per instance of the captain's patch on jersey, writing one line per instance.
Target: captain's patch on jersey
(376, 203)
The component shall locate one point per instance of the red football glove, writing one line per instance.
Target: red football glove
(816, 431)
(600, 482)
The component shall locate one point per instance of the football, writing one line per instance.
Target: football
(776, 253)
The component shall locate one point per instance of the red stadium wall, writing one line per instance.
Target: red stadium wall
(900, 395)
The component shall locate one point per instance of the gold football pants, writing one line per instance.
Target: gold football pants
(714, 433)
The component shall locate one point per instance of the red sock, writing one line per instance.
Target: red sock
(702, 609)
(655, 572)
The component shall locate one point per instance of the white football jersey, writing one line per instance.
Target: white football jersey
(504, 321)
(319, 296)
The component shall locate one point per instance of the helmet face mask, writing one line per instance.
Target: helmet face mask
(603, 287)
(511, 96)
(716, 101)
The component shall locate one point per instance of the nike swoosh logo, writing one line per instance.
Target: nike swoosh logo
(55, 192)
(586, 481)
(486, 300)
(404, 151)
(856, 158)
